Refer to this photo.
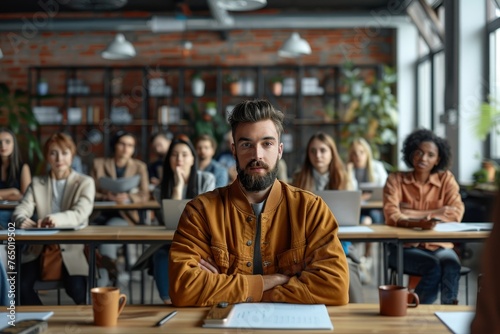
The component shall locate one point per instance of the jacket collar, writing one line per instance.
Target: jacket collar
(408, 178)
(238, 198)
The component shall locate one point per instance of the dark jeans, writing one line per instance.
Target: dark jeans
(439, 271)
(75, 286)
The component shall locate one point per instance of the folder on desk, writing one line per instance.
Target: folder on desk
(276, 316)
(120, 185)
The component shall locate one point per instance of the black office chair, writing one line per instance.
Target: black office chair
(413, 280)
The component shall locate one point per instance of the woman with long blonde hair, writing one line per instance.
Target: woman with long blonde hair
(323, 168)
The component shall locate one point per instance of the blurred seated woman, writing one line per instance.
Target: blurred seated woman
(323, 169)
(63, 198)
(181, 180)
(121, 165)
(415, 199)
(15, 176)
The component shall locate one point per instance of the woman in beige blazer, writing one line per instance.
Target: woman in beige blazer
(122, 164)
(61, 199)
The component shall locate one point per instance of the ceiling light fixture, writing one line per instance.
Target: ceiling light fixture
(242, 5)
(295, 46)
(119, 49)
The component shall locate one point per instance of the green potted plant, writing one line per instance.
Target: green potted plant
(208, 122)
(371, 108)
(16, 108)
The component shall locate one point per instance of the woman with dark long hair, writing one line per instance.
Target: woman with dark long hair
(181, 180)
(15, 176)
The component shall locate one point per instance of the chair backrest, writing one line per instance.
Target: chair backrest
(171, 211)
(344, 204)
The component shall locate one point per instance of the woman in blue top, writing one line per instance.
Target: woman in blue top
(15, 175)
(181, 180)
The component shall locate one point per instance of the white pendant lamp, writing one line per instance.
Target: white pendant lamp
(295, 46)
(119, 49)
(241, 5)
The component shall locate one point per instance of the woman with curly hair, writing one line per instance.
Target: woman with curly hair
(419, 199)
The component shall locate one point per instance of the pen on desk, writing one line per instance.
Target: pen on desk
(167, 318)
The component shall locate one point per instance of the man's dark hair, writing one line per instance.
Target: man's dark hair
(252, 111)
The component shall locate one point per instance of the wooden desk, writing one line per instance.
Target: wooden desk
(148, 205)
(351, 318)
(372, 205)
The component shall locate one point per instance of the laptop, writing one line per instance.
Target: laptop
(171, 212)
(344, 204)
(376, 191)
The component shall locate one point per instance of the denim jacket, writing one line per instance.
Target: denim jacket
(299, 239)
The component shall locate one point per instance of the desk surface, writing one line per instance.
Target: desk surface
(106, 205)
(131, 234)
(142, 233)
(351, 318)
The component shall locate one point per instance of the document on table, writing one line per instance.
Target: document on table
(457, 322)
(120, 185)
(277, 316)
(462, 227)
(40, 231)
(5, 317)
(355, 229)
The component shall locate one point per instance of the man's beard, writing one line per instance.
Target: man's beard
(253, 182)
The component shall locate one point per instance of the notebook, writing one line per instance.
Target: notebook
(60, 228)
(344, 204)
(376, 191)
(171, 211)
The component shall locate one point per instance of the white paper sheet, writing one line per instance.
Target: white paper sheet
(277, 316)
(460, 227)
(355, 229)
(32, 232)
(457, 322)
(5, 317)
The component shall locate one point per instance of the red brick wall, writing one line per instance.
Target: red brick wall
(243, 47)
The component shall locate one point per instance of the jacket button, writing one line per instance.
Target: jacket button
(249, 299)
(249, 243)
(249, 219)
(249, 264)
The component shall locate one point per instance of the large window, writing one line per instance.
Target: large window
(430, 70)
(493, 92)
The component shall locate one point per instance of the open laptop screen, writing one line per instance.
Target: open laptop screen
(344, 204)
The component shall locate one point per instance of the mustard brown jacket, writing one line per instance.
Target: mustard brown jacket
(299, 239)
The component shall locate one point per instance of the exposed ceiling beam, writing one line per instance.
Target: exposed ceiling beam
(172, 24)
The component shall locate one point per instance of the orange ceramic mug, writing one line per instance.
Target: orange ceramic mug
(107, 304)
(394, 300)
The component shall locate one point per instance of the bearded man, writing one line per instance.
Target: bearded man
(257, 239)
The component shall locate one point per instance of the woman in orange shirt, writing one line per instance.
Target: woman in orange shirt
(419, 199)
